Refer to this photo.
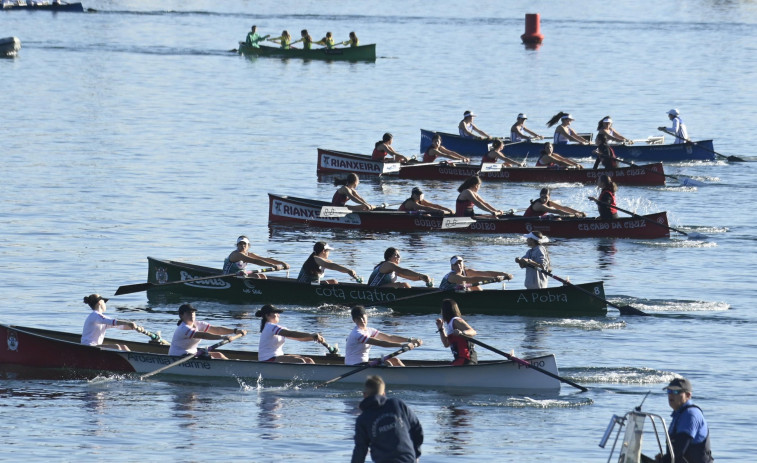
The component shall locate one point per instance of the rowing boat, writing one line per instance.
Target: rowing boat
(359, 53)
(9, 47)
(59, 355)
(32, 6)
(697, 151)
(288, 210)
(330, 162)
(560, 301)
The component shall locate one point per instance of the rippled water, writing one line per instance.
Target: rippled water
(133, 131)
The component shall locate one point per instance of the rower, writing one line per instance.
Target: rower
(564, 132)
(285, 40)
(450, 327)
(416, 203)
(353, 41)
(327, 41)
(237, 261)
(385, 273)
(678, 128)
(606, 204)
(190, 332)
(604, 127)
(496, 154)
(605, 154)
(543, 206)
(93, 333)
(273, 336)
(253, 38)
(384, 152)
(362, 337)
(307, 41)
(436, 150)
(466, 127)
(519, 132)
(536, 256)
(548, 158)
(469, 197)
(347, 192)
(315, 266)
(466, 278)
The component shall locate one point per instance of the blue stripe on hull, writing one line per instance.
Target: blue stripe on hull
(464, 146)
(699, 151)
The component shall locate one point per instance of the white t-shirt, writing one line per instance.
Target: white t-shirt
(271, 344)
(183, 341)
(357, 349)
(94, 328)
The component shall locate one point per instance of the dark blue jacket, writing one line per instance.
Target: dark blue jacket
(390, 429)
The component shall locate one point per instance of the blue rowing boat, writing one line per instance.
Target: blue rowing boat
(696, 151)
(72, 7)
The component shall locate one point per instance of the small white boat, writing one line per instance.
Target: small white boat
(9, 47)
(632, 449)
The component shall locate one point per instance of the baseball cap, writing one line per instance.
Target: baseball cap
(568, 116)
(456, 259)
(243, 239)
(186, 308)
(267, 310)
(679, 384)
(607, 119)
(321, 246)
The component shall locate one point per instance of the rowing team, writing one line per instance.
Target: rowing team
(468, 198)
(285, 40)
(565, 134)
(190, 332)
(386, 272)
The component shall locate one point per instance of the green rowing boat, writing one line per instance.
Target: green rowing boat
(561, 301)
(360, 53)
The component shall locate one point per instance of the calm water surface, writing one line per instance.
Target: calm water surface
(133, 131)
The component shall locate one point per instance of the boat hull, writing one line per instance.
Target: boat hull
(340, 162)
(69, 7)
(361, 53)
(290, 210)
(465, 146)
(561, 301)
(60, 353)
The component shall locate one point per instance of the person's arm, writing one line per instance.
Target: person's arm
(488, 274)
(566, 210)
(435, 207)
(126, 324)
(259, 260)
(334, 266)
(362, 441)
(564, 161)
(416, 430)
(440, 330)
(554, 208)
(462, 327)
(534, 134)
(473, 126)
(399, 340)
(301, 336)
(223, 331)
(452, 154)
(478, 201)
(570, 134)
(403, 272)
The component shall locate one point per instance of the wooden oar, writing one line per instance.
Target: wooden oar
(135, 288)
(153, 336)
(333, 350)
(685, 181)
(191, 356)
(722, 156)
(693, 235)
(524, 363)
(450, 291)
(372, 363)
(623, 309)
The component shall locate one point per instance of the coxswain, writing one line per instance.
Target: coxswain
(253, 38)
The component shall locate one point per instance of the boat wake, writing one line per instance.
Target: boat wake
(620, 375)
(586, 325)
(672, 305)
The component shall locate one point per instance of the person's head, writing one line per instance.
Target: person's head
(186, 314)
(468, 115)
(679, 392)
(328, 35)
(673, 113)
(417, 194)
(535, 238)
(522, 118)
(548, 148)
(253, 29)
(544, 195)
(321, 248)
(604, 182)
(304, 33)
(436, 140)
(95, 301)
(450, 310)
(284, 33)
(359, 316)
(497, 144)
(457, 262)
(374, 385)
(243, 243)
(470, 183)
(604, 123)
(566, 119)
(387, 138)
(391, 254)
(268, 313)
(351, 180)
(353, 36)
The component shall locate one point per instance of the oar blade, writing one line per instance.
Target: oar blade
(390, 168)
(136, 288)
(491, 167)
(457, 222)
(628, 310)
(334, 211)
(690, 182)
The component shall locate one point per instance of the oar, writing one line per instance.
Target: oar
(685, 181)
(693, 236)
(153, 336)
(372, 363)
(135, 288)
(334, 211)
(451, 291)
(333, 350)
(722, 156)
(191, 356)
(524, 363)
(623, 309)
(457, 222)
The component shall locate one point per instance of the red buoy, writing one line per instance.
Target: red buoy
(533, 35)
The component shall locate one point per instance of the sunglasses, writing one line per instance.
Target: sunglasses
(674, 392)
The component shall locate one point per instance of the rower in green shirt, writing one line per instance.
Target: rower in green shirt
(327, 41)
(253, 38)
(306, 40)
(353, 41)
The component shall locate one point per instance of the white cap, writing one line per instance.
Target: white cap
(541, 240)
(607, 119)
(522, 116)
(468, 113)
(673, 112)
(243, 239)
(568, 116)
(456, 259)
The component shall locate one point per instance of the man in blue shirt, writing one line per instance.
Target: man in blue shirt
(387, 426)
(688, 429)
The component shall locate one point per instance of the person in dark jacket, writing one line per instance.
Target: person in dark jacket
(688, 429)
(387, 427)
